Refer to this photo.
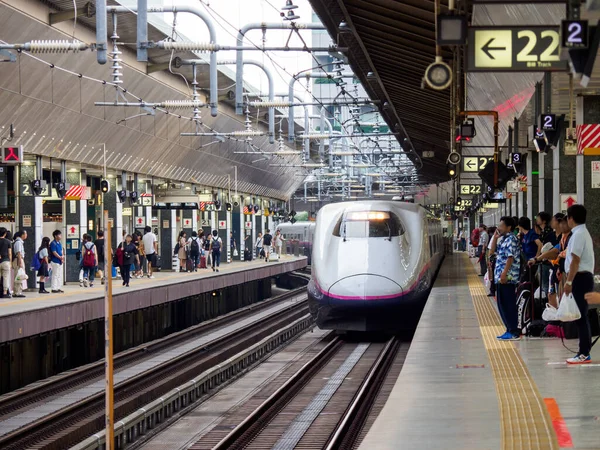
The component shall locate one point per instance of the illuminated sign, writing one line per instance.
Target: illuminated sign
(470, 189)
(548, 122)
(475, 163)
(12, 155)
(514, 49)
(575, 33)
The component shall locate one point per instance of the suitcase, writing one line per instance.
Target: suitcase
(273, 257)
(189, 265)
(247, 255)
(202, 264)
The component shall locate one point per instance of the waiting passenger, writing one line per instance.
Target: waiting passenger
(43, 254)
(267, 240)
(506, 276)
(579, 264)
(182, 251)
(216, 246)
(5, 262)
(79, 257)
(195, 246)
(150, 248)
(19, 262)
(89, 261)
(232, 245)
(483, 243)
(56, 261)
(278, 241)
(259, 246)
(130, 255)
(207, 249)
(99, 243)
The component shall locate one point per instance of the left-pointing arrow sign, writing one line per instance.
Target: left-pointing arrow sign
(487, 48)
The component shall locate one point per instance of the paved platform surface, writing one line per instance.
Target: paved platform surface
(20, 419)
(460, 388)
(39, 313)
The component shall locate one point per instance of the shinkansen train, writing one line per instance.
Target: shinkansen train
(300, 233)
(373, 264)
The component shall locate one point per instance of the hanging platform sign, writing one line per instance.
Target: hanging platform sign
(533, 48)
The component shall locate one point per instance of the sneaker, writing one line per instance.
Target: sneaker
(503, 336)
(102, 281)
(85, 283)
(55, 291)
(509, 337)
(80, 283)
(19, 296)
(580, 359)
(91, 284)
(151, 277)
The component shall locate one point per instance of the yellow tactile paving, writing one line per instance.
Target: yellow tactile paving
(525, 421)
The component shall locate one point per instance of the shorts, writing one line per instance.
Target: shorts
(100, 265)
(267, 249)
(151, 258)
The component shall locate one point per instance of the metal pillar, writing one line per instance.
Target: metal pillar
(579, 163)
(142, 30)
(101, 32)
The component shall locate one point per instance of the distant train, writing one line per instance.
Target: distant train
(373, 264)
(300, 233)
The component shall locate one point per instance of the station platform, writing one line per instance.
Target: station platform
(460, 388)
(40, 313)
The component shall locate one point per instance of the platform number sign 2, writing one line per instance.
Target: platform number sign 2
(548, 122)
(575, 33)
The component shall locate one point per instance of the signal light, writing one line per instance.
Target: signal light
(61, 188)
(452, 171)
(228, 206)
(217, 205)
(256, 209)
(104, 186)
(133, 196)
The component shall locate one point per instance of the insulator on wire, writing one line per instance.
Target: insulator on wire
(269, 104)
(180, 104)
(246, 133)
(189, 46)
(56, 46)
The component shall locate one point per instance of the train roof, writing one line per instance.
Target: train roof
(368, 205)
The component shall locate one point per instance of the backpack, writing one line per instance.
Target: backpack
(89, 259)
(176, 249)
(36, 264)
(475, 237)
(216, 243)
(194, 247)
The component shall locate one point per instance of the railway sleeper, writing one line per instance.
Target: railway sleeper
(133, 427)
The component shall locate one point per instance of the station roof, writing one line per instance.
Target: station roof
(395, 41)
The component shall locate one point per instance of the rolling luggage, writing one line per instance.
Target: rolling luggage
(158, 264)
(189, 264)
(273, 257)
(202, 264)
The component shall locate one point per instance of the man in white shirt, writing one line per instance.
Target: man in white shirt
(150, 247)
(579, 265)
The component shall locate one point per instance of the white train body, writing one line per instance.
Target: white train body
(373, 263)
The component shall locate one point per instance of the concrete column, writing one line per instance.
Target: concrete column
(529, 166)
(229, 229)
(28, 215)
(253, 235)
(110, 205)
(74, 237)
(520, 204)
(167, 234)
(187, 219)
(83, 207)
(556, 178)
(542, 182)
(195, 220)
(581, 117)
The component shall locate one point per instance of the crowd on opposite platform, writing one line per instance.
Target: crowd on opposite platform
(135, 257)
(554, 254)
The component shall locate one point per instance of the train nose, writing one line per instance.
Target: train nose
(365, 287)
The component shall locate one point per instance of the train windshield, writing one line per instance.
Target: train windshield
(368, 224)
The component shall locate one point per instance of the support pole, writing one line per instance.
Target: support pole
(108, 333)
(101, 31)
(142, 31)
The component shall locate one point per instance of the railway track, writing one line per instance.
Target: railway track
(325, 404)
(78, 420)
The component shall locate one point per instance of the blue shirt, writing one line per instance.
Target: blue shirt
(509, 246)
(56, 246)
(529, 246)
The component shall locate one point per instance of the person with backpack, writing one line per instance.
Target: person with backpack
(216, 246)
(195, 246)
(129, 254)
(267, 241)
(207, 249)
(89, 261)
(42, 257)
(99, 243)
